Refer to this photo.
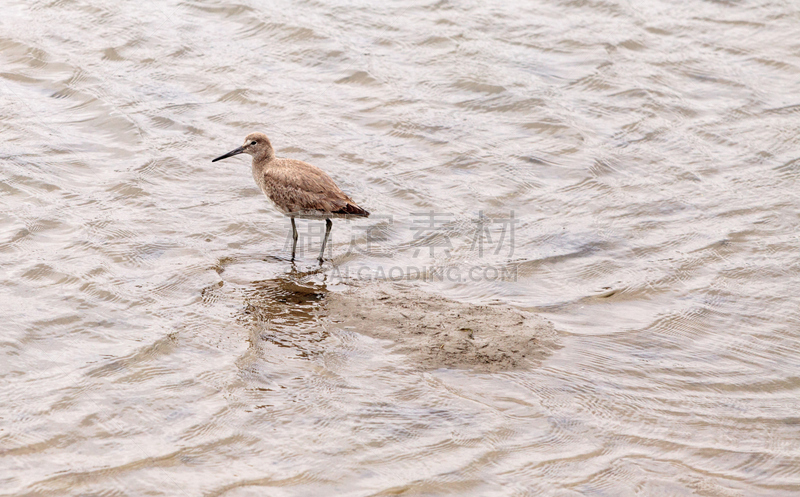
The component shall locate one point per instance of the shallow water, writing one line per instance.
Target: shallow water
(158, 342)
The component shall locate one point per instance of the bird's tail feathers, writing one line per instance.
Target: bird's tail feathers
(353, 210)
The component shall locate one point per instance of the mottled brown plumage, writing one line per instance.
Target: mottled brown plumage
(297, 188)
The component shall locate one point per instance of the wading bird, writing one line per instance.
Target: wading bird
(297, 188)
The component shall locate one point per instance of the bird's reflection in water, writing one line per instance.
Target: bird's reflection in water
(286, 311)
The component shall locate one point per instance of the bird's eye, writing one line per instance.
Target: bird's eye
(253, 142)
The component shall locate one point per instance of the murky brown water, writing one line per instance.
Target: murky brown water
(156, 341)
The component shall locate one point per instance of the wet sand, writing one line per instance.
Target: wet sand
(436, 332)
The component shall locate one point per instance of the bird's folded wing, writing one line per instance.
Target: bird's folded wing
(305, 189)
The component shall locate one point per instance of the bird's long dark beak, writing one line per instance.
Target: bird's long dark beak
(235, 151)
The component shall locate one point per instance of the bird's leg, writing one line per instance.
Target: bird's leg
(328, 225)
(294, 238)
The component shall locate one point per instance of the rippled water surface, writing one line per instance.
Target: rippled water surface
(157, 341)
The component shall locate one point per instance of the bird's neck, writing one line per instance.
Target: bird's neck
(263, 159)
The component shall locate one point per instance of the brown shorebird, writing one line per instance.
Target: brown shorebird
(297, 188)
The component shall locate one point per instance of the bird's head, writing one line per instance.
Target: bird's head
(256, 145)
